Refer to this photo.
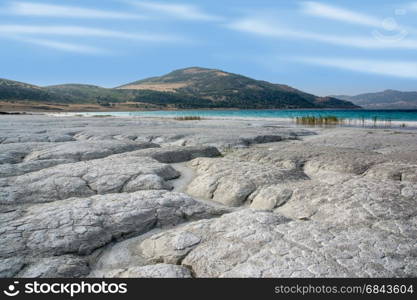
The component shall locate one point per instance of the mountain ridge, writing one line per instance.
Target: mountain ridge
(387, 99)
(187, 88)
(219, 86)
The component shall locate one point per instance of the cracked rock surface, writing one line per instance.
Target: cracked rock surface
(149, 271)
(232, 182)
(82, 179)
(155, 197)
(81, 225)
(251, 243)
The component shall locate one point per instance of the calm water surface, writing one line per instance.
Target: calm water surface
(380, 115)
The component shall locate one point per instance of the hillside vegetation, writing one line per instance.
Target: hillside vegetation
(185, 88)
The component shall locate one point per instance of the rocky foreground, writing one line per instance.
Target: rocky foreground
(131, 197)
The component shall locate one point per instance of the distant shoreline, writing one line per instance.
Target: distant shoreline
(277, 121)
(20, 107)
(386, 118)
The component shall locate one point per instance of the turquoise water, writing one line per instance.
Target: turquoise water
(380, 115)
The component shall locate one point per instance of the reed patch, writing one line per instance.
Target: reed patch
(188, 118)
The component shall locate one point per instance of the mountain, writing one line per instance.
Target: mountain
(186, 88)
(217, 88)
(94, 94)
(388, 99)
(14, 90)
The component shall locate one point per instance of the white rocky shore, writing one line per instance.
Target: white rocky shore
(143, 197)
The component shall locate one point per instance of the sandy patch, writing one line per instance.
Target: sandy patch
(161, 87)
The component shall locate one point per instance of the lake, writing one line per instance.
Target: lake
(357, 114)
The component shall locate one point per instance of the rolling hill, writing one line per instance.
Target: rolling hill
(222, 89)
(388, 99)
(186, 88)
(14, 90)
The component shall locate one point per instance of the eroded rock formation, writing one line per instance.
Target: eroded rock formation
(94, 197)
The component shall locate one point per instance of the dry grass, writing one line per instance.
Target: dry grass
(188, 118)
(318, 121)
(160, 87)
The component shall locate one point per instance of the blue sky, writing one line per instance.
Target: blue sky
(321, 47)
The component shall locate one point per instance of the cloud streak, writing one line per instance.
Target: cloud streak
(59, 11)
(340, 14)
(83, 32)
(269, 29)
(412, 6)
(388, 25)
(62, 46)
(36, 35)
(175, 10)
(401, 69)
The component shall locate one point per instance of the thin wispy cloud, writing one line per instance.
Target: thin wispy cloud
(84, 32)
(391, 28)
(180, 33)
(401, 69)
(340, 14)
(261, 27)
(412, 6)
(175, 10)
(59, 11)
(62, 46)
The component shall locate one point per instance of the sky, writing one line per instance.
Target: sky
(321, 47)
